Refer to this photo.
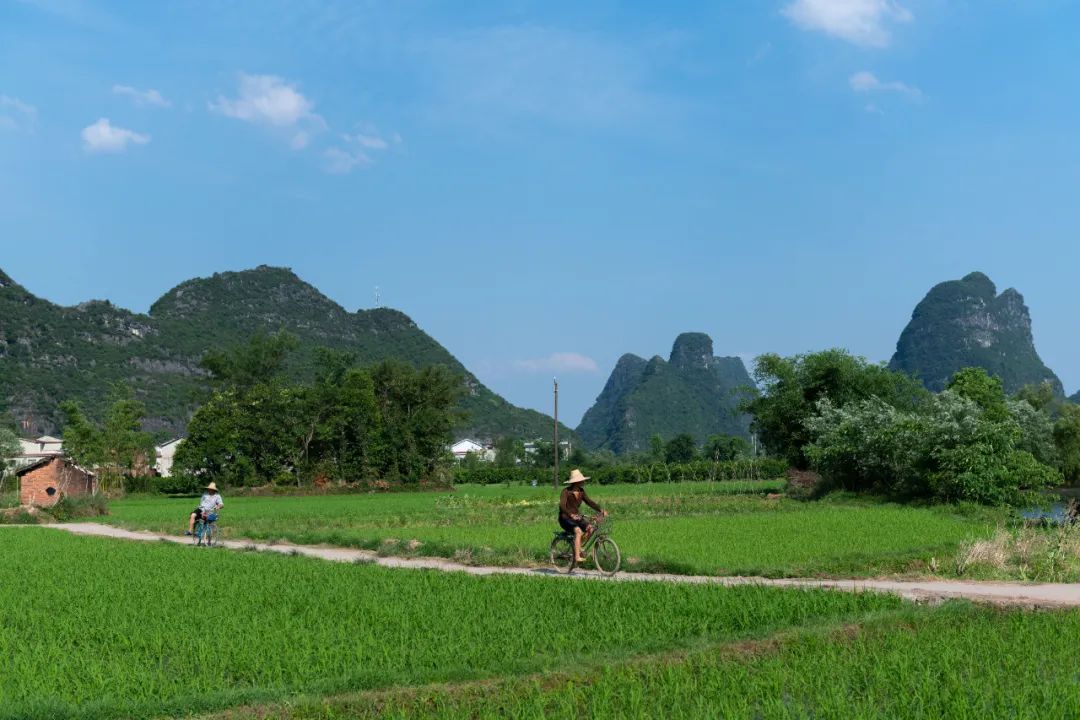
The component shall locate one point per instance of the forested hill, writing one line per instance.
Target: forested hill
(966, 323)
(50, 353)
(692, 392)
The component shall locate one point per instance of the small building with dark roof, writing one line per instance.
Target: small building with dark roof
(47, 479)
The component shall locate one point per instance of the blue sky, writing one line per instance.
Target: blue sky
(544, 186)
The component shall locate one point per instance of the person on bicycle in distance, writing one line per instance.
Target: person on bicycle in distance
(209, 506)
(570, 517)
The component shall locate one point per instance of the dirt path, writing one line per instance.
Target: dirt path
(1046, 595)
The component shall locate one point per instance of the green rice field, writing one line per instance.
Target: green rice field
(956, 661)
(99, 628)
(692, 528)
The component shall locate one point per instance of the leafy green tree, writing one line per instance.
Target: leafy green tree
(9, 448)
(657, 451)
(984, 390)
(509, 452)
(949, 449)
(680, 449)
(578, 457)
(82, 440)
(126, 451)
(1067, 440)
(261, 360)
(721, 448)
(793, 386)
(543, 454)
(1041, 396)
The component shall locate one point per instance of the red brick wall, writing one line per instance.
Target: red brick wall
(57, 474)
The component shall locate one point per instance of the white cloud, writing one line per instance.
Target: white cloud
(102, 137)
(861, 22)
(271, 101)
(866, 82)
(561, 362)
(356, 151)
(341, 162)
(142, 98)
(16, 114)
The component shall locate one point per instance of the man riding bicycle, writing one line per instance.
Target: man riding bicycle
(209, 506)
(570, 517)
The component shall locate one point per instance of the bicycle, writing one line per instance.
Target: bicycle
(206, 532)
(605, 553)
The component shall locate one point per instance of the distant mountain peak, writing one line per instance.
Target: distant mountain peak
(693, 392)
(692, 350)
(966, 323)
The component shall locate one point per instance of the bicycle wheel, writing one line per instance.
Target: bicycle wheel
(210, 535)
(197, 537)
(606, 556)
(562, 553)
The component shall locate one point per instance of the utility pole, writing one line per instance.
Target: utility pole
(556, 476)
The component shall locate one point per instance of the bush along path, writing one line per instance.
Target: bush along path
(1049, 595)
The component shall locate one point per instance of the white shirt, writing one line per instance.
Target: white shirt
(210, 503)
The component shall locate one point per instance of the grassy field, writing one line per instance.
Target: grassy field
(696, 528)
(955, 661)
(96, 628)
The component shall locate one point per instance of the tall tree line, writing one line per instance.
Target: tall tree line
(389, 421)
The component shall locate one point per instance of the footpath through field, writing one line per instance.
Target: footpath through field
(1025, 595)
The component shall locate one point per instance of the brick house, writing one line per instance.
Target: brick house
(43, 482)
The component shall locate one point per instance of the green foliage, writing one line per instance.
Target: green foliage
(70, 508)
(116, 450)
(680, 449)
(323, 627)
(965, 323)
(987, 392)
(725, 447)
(693, 392)
(509, 452)
(389, 422)
(950, 449)
(49, 354)
(792, 388)
(1067, 440)
(9, 448)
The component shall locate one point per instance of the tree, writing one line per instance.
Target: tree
(680, 449)
(82, 440)
(126, 450)
(9, 448)
(949, 449)
(1067, 440)
(983, 389)
(721, 448)
(656, 448)
(261, 360)
(509, 452)
(793, 386)
(1041, 396)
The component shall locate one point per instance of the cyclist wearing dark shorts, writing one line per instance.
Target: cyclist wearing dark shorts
(209, 506)
(570, 517)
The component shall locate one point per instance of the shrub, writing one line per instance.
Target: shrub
(70, 508)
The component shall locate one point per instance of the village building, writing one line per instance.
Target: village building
(164, 457)
(463, 447)
(30, 451)
(47, 479)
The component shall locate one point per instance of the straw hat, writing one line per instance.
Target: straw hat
(212, 486)
(575, 477)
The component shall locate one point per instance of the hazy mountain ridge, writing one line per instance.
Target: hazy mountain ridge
(693, 392)
(50, 353)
